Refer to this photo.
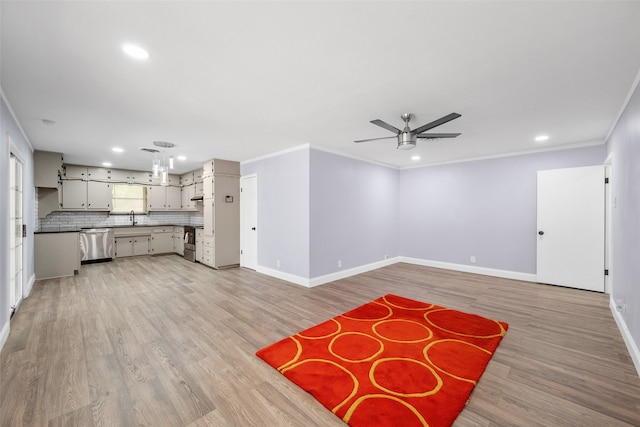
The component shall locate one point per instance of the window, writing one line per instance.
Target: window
(127, 197)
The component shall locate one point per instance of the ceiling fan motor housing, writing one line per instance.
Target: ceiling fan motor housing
(406, 140)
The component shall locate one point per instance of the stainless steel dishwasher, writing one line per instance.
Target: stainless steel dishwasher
(96, 244)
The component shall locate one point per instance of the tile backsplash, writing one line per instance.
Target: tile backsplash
(61, 220)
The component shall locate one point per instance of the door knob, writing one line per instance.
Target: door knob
(541, 232)
(253, 228)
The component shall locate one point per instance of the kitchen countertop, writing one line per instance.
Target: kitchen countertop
(74, 229)
(58, 230)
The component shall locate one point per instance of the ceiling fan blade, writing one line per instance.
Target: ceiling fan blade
(375, 139)
(438, 135)
(386, 125)
(435, 123)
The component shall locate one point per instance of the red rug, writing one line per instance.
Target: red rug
(391, 362)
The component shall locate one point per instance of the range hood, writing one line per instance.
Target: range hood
(200, 197)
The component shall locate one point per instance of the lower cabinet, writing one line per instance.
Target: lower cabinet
(208, 256)
(131, 246)
(178, 240)
(199, 244)
(162, 241)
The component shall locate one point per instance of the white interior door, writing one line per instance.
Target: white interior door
(571, 227)
(15, 232)
(249, 221)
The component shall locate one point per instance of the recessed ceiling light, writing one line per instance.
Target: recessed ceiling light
(135, 51)
(414, 158)
(541, 138)
(182, 158)
(106, 164)
(117, 150)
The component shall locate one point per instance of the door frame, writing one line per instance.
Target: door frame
(608, 224)
(243, 216)
(12, 150)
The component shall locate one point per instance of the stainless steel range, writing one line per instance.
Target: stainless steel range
(190, 243)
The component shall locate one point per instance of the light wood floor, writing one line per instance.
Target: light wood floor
(161, 341)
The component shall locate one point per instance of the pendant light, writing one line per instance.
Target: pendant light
(159, 166)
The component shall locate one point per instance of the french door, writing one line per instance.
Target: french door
(16, 232)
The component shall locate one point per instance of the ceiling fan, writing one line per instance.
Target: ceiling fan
(407, 138)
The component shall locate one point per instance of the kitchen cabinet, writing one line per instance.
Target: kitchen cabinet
(187, 179)
(56, 254)
(178, 240)
(161, 240)
(86, 195)
(221, 213)
(140, 177)
(74, 194)
(98, 174)
(74, 172)
(207, 187)
(208, 216)
(219, 166)
(99, 195)
(199, 190)
(174, 198)
(86, 173)
(120, 176)
(188, 192)
(208, 255)
(199, 244)
(46, 169)
(164, 198)
(131, 245)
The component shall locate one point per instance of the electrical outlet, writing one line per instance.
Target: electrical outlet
(339, 263)
(472, 258)
(278, 263)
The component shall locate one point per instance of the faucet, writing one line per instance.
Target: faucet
(132, 217)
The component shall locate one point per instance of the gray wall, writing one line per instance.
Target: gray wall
(483, 208)
(283, 210)
(23, 148)
(624, 143)
(353, 212)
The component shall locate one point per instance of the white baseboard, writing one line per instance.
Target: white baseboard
(632, 347)
(342, 274)
(27, 291)
(298, 280)
(507, 274)
(321, 280)
(4, 334)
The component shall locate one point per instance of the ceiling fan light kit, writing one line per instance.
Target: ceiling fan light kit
(407, 138)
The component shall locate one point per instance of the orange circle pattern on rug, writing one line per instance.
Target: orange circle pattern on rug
(385, 409)
(355, 347)
(291, 351)
(448, 356)
(323, 330)
(405, 304)
(370, 311)
(392, 361)
(402, 331)
(465, 324)
(405, 377)
(308, 370)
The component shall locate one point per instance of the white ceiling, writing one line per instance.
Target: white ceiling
(240, 80)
